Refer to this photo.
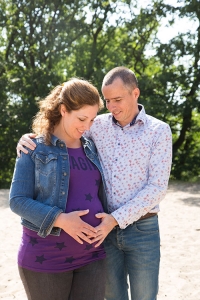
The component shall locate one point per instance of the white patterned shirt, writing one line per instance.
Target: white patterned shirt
(136, 161)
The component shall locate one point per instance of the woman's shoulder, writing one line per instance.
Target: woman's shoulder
(40, 145)
(39, 140)
(87, 142)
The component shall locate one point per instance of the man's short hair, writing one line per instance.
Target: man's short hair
(126, 75)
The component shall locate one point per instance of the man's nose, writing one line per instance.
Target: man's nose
(110, 106)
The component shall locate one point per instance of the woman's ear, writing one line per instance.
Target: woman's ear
(62, 110)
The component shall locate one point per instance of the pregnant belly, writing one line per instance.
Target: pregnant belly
(94, 207)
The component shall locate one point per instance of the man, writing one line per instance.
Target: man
(135, 152)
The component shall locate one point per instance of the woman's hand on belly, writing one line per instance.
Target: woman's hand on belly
(72, 224)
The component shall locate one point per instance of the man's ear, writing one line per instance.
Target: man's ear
(136, 93)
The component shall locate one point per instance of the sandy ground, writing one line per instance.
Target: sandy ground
(180, 245)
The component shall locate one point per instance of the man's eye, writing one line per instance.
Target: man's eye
(81, 120)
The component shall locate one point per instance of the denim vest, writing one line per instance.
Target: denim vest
(40, 184)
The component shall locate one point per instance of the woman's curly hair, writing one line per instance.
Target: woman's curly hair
(74, 94)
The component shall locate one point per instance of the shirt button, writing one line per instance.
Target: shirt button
(63, 193)
(61, 145)
(65, 174)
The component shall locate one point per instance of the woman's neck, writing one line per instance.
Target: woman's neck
(69, 142)
(73, 144)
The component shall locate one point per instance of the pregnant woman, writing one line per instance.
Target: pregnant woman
(56, 190)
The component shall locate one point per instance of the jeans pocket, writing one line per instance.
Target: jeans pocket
(148, 226)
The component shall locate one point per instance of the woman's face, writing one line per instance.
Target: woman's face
(75, 123)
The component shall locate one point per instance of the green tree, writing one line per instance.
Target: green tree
(44, 43)
(36, 35)
(180, 76)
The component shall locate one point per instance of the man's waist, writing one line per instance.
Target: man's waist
(146, 216)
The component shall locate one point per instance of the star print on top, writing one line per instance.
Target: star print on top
(62, 253)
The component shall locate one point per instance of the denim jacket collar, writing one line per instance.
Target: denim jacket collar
(85, 142)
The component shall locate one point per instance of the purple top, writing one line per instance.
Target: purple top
(62, 253)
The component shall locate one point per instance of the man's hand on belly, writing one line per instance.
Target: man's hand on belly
(108, 222)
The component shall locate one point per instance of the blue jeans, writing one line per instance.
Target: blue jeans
(133, 252)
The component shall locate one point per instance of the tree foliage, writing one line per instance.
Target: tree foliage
(45, 42)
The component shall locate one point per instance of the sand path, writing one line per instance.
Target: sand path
(180, 245)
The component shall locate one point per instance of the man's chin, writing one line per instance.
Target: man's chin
(117, 117)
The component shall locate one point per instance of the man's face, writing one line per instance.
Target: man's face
(120, 102)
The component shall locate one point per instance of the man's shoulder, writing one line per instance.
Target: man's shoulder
(155, 123)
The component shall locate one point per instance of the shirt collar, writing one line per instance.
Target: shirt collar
(141, 116)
